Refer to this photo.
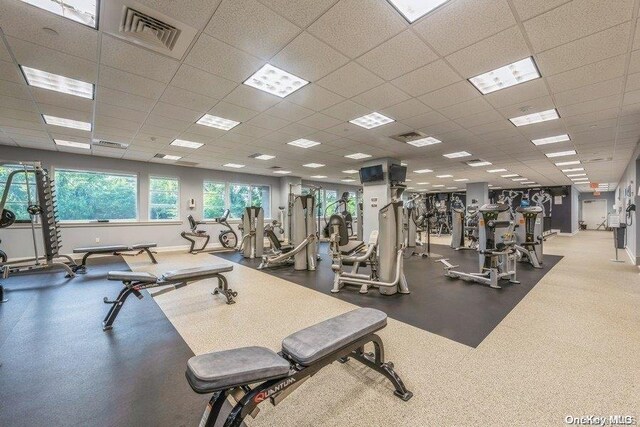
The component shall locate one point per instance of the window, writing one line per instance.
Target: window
(352, 205)
(164, 198)
(243, 195)
(90, 196)
(214, 203)
(18, 197)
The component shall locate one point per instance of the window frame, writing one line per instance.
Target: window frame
(56, 169)
(149, 204)
(251, 186)
(33, 190)
(225, 196)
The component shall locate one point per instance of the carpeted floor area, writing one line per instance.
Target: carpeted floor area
(461, 311)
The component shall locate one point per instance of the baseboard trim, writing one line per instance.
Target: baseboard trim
(632, 258)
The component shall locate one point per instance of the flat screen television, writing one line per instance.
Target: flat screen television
(371, 174)
(397, 173)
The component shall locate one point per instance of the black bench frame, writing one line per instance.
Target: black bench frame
(277, 389)
(82, 267)
(135, 286)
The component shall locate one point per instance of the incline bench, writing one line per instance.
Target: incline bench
(111, 249)
(134, 282)
(304, 353)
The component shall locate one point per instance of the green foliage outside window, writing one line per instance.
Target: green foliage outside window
(164, 198)
(89, 196)
(214, 203)
(352, 205)
(17, 197)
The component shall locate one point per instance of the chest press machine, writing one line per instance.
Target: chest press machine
(230, 373)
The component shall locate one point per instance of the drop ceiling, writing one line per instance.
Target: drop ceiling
(360, 57)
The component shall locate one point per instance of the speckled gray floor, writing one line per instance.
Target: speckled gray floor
(570, 347)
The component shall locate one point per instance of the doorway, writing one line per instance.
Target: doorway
(594, 214)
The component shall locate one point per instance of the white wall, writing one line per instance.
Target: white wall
(575, 203)
(630, 180)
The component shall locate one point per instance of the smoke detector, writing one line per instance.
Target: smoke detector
(143, 26)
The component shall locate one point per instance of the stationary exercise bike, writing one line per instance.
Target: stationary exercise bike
(228, 238)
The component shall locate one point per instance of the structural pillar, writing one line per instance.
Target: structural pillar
(478, 191)
(375, 195)
(288, 184)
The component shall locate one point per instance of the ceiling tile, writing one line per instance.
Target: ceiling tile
(347, 110)
(518, 94)
(587, 93)
(252, 27)
(586, 50)
(526, 107)
(232, 112)
(478, 119)
(236, 66)
(575, 20)
(350, 80)
(43, 96)
(320, 121)
(309, 58)
(380, 97)
(123, 99)
(10, 73)
(409, 108)
(175, 112)
(249, 130)
(400, 55)
(187, 99)
(590, 106)
(425, 120)
(314, 97)
(466, 108)
(289, 111)
(198, 81)
(18, 104)
(196, 13)
(254, 99)
(108, 110)
(131, 83)
(268, 122)
(493, 52)
(427, 79)
(449, 95)
(354, 26)
(598, 71)
(300, 12)
(479, 18)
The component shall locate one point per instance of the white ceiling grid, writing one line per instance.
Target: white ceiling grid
(359, 56)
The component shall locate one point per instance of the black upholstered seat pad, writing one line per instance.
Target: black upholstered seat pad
(312, 343)
(101, 249)
(143, 246)
(196, 273)
(224, 369)
(132, 276)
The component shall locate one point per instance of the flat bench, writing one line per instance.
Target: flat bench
(114, 250)
(134, 282)
(231, 372)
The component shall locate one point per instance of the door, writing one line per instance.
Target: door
(594, 213)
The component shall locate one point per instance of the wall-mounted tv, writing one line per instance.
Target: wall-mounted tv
(397, 173)
(371, 174)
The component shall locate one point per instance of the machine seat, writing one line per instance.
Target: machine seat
(101, 249)
(351, 246)
(312, 343)
(196, 273)
(132, 276)
(221, 370)
(143, 246)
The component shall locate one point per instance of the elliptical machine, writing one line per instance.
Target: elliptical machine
(496, 252)
(529, 233)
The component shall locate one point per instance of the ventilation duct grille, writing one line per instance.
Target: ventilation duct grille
(275, 167)
(409, 136)
(150, 30)
(110, 144)
(606, 159)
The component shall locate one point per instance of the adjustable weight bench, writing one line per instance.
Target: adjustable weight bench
(304, 353)
(134, 282)
(114, 250)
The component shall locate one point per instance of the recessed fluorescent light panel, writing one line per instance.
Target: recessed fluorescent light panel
(217, 122)
(423, 171)
(318, 176)
(82, 11)
(167, 156)
(72, 144)
(67, 123)
(438, 185)
(264, 157)
(496, 170)
(444, 176)
(350, 171)
(55, 82)
(424, 142)
(507, 76)
(551, 139)
(186, 144)
(233, 165)
(461, 179)
(348, 180)
(530, 119)
(413, 10)
(479, 163)
(313, 165)
(561, 153)
(569, 163)
(358, 156)
(519, 179)
(423, 183)
(584, 178)
(282, 172)
(456, 154)
(275, 81)
(509, 175)
(528, 182)
(304, 143)
(371, 121)
(573, 170)
(452, 188)
(571, 175)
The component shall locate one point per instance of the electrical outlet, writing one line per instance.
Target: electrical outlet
(97, 240)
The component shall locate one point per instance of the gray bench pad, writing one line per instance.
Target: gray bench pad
(224, 369)
(312, 343)
(132, 276)
(99, 249)
(196, 273)
(351, 246)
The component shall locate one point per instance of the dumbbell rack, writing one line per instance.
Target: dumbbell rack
(46, 209)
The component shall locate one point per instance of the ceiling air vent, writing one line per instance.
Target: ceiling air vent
(606, 159)
(139, 24)
(110, 144)
(409, 136)
(275, 167)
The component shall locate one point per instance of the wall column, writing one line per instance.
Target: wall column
(375, 195)
(478, 191)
